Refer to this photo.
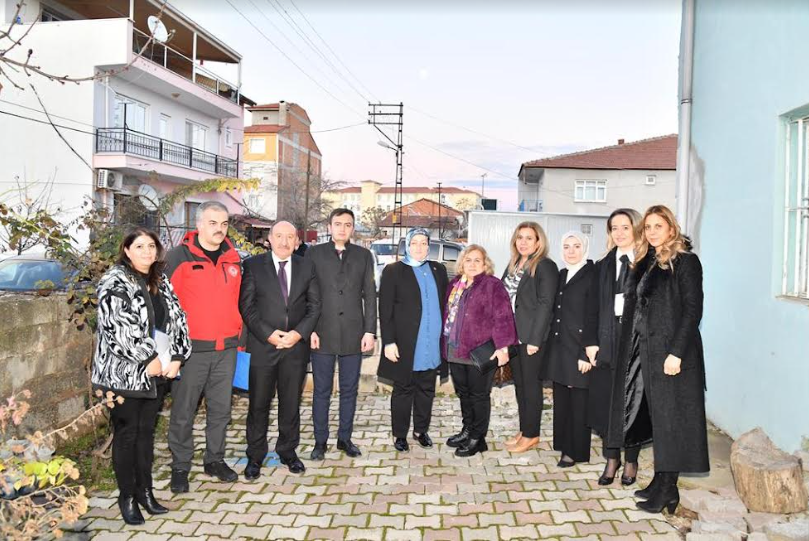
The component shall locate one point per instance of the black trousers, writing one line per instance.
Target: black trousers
(286, 375)
(133, 426)
(525, 369)
(571, 435)
(349, 378)
(630, 453)
(474, 391)
(416, 396)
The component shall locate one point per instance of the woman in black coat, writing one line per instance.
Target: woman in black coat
(530, 279)
(573, 320)
(662, 359)
(612, 272)
(412, 295)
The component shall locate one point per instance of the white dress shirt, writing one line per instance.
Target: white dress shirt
(287, 269)
(619, 297)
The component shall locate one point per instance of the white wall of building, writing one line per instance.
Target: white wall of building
(263, 201)
(625, 188)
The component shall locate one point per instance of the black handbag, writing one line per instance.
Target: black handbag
(481, 356)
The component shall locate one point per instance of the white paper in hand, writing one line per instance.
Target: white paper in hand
(163, 347)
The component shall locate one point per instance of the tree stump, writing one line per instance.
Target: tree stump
(767, 479)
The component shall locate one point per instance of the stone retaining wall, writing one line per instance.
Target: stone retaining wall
(42, 351)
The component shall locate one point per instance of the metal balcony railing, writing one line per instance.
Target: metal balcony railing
(126, 141)
(183, 66)
(530, 205)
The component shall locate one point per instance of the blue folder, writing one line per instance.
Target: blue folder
(241, 376)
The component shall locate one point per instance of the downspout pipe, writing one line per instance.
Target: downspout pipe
(684, 134)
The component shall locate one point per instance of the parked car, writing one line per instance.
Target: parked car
(384, 250)
(30, 272)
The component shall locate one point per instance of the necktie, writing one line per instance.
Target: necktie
(340, 254)
(282, 280)
(620, 283)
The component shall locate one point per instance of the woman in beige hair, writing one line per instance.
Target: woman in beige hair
(662, 393)
(530, 279)
(477, 313)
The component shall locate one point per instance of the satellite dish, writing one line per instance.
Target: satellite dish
(148, 197)
(158, 29)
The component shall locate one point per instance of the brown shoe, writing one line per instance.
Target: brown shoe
(514, 439)
(523, 445)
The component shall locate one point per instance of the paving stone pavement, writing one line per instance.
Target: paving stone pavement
(423, 494)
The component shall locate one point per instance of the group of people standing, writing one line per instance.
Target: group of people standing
(619, 339)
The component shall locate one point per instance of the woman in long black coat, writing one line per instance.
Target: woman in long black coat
(531, 280)
(411, 334)
(663, 392)
(612, 273)
(573, 320)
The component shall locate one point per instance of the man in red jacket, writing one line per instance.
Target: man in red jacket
(205, 271)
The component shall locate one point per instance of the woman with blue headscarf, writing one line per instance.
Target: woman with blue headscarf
(411, 303)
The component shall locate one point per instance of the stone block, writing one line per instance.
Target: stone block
(796, 530)
(767, 479)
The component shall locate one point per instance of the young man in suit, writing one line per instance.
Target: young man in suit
(346, 329)
(280, 304)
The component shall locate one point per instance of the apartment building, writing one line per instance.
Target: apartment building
(370, 194)
(279, 149)
(160, 116)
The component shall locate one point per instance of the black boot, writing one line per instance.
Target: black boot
(459, 439)
(147, 500)
(665, 497)
(472, 447)
(130, 511)
(650, 489)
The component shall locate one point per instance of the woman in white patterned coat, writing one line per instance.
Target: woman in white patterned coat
(138, 315)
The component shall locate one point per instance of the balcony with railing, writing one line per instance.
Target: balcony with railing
(135, 143)
(182, 65)
(530, 205)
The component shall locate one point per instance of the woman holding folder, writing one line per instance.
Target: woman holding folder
(142, 339)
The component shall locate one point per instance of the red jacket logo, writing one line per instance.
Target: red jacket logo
(233, 271)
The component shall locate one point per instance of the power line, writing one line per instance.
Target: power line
(271, 42)
(302, 34)
(34, 109)
(45, 122)
(332, 50)
(470, 130)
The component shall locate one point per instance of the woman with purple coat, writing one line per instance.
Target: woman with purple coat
(478, 310)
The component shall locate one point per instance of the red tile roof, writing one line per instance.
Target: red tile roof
(264, 128)
(655, 153)
(423, 213)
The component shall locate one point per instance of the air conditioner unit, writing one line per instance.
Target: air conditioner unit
(109, 180)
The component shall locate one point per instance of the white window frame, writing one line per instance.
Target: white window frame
(190, 126)
(228, 137)
(795, 274)
(580, 191)
(651, 180)
(256, 140)
(129, 101)
(165, 120)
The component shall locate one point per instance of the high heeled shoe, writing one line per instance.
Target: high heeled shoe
(146, 499)
(130, 511)
(667, 496)
(627, 480)
(605, 480)
(523, 444)
(650, 489)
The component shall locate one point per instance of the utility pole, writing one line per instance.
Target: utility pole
(306, 197)
(439, 211)
(391, 114)
(482, 186)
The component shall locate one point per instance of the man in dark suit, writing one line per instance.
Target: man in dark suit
(280, 304)
(345, 274)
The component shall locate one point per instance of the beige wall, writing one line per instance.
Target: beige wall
(370, 197)
(625, 188)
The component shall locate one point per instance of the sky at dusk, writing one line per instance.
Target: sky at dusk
(486, 85)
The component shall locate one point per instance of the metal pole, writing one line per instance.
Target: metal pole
(482, 187)
(439, 211)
